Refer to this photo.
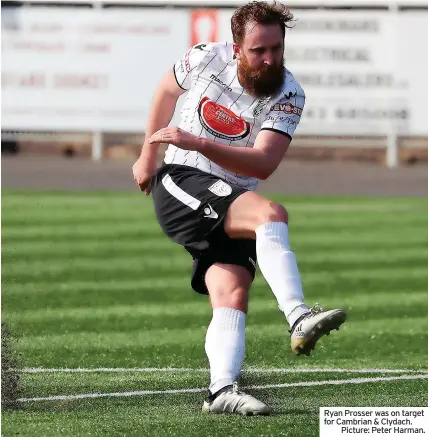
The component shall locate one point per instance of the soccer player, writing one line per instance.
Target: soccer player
(240, 113)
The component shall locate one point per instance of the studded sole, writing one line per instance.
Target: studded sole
(323, 328)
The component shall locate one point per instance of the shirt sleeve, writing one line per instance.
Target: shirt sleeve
(284, 116)
(184, 67)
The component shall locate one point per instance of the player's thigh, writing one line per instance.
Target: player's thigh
(249, 211)
(228, 286)
(190, 205)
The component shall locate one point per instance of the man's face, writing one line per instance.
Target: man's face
(261, 59)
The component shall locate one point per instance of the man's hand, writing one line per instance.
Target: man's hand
(143, 170)
(176, 136)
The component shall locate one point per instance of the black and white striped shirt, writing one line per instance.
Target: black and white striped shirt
(217, 107)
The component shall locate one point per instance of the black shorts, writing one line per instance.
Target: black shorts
(190, 206)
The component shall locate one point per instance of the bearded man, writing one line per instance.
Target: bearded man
(241, 110)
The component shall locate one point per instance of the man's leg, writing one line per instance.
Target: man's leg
(252, 216)
(228, 287)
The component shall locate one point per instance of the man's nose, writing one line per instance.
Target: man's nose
(268, 59)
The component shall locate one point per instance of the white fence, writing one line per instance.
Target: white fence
(95, 69)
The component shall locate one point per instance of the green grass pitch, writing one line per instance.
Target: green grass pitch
(89, 281)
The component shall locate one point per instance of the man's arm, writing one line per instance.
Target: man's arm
(260, 161)
(161, 112)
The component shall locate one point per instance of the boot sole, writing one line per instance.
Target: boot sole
(256, 413)
(249, 413)
(334, 321)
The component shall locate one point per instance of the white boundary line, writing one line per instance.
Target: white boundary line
(199, 390)
(186, 369)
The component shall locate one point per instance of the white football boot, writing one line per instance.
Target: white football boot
(310, 327)
(232, 400)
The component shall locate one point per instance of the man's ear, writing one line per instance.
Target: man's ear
(236, 51)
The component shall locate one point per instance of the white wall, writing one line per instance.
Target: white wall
(97, 69)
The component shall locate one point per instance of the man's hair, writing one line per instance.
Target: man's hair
(259, 12)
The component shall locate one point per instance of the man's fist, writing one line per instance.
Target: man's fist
(176, 136)
(143, 171)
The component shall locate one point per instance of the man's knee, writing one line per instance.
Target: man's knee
(248, 212)
(228, 286)
(271, 212)
(236, 298)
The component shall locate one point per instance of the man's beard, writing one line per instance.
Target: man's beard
(264, 82)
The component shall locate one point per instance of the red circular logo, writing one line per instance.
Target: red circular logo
(222, 122)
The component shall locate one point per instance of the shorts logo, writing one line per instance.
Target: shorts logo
(221, 122)
(220, 188)
(209, 212)
(252, 261)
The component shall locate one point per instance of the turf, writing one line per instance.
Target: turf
(89, 280)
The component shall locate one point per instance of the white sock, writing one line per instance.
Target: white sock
(225, 346)
(279, 267)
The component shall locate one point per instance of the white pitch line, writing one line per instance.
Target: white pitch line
(186, 369)
(199, 390)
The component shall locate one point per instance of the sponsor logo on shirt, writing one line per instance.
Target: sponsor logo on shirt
(287, 108)
(187, 61)
(289, 120)
(217, 80)
(222, 122)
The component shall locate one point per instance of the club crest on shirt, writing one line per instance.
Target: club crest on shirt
(260, 105)
(222, 122)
